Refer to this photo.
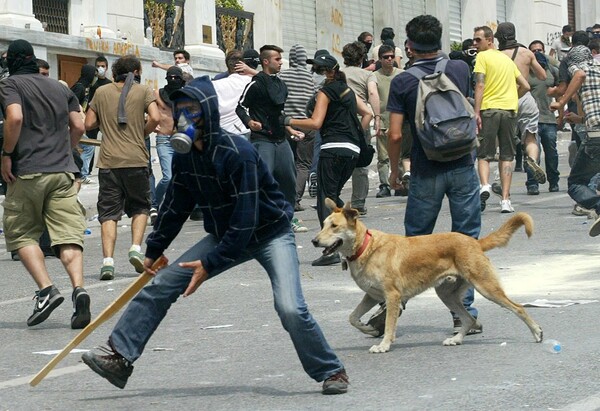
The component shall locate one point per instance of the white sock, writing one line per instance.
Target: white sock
(406, 174)
(136, 247)
(108, 261)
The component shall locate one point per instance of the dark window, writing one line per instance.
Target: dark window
(55, 13)
(571, 14)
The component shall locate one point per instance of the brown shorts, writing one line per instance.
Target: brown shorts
(498, 129)
(123, 190)
(39, 201)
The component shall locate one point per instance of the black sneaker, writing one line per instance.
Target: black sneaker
(112, 366)
(377, 320)
(538, 173)
(477, 328)
(153, 215)
(384, 191)
(533, 190)
(46, 301)
(327, 260)
(81, 308)
(312, 185)
(497, 189)
(336, 384)
(553, 188)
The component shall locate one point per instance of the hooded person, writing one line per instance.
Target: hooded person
(301, 89)
(175, 81)
(20, 58)
(246, 217)
(81, 88)
(507, 36)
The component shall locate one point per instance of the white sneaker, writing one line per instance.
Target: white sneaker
(506, 207)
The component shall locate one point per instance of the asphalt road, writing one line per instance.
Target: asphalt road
(224, 348)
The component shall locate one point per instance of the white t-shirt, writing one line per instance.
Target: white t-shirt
(229, 91)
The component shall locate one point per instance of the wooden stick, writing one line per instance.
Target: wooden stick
(89, 141)
(108, 312)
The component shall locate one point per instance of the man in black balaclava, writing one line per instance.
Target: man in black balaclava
(163, 135)
(81, 88)
(528, 113)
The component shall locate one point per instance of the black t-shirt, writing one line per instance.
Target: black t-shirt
(44, 145)
(403, 99)
(339, 132)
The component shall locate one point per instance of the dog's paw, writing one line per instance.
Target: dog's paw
(453, 340)
(381, 348)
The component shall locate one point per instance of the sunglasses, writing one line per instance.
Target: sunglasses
(388, 57)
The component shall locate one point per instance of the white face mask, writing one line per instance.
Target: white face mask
(101, 71)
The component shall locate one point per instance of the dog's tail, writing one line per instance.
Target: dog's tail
(501, 236)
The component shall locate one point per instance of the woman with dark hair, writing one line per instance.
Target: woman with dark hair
(335, 114)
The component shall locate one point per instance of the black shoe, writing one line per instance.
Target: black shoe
(81, 309)
(497, 189)
(46, 301)
(15, 256)
(533, 190)
(361, 210)
(327, 260)
(384, 191)
(518, 169)
(113, 366)
(196, 215)
(336, 384)
(298, 207)
(553, 188)
(312, 185)
(477, 328)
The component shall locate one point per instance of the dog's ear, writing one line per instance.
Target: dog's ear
(350, 213)
(331, 205)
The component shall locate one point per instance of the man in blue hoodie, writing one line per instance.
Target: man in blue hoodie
(246, 217)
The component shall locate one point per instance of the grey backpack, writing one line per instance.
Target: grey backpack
(444, 118)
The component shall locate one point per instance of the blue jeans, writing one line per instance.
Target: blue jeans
(279, 159)
(165, 157)
(547, 136)
(86, 156)
(425, 197)
(280, 260)
(585, 166)
(316, 152)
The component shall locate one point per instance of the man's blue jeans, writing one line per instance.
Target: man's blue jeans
(86, 156)
(425, 196)
(165, 158)
(547, 136)
(280, 260)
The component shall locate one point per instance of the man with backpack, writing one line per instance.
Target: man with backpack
(453, 174)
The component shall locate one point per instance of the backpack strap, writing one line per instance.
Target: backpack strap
(441, 66)
(515, 53)
(419, 74)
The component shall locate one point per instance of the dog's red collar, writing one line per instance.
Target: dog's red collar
(362, 248)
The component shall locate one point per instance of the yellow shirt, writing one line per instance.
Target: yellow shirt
(501, 75)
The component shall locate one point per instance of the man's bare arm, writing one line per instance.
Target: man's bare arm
(76, 128)
(153, 118)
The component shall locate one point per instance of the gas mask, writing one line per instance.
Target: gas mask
(187, 131)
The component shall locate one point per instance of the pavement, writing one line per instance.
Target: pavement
(224, 349)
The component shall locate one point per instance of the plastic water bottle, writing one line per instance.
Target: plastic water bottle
(88, 232)
(552, 346)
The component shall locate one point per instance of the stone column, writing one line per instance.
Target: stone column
(19, 13)
(200, 30)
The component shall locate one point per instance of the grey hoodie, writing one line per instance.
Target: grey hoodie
(299, 82)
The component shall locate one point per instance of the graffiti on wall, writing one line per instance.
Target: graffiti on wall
(552, 37)
(337, 21)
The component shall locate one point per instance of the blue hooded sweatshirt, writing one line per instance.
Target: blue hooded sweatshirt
(240, 201)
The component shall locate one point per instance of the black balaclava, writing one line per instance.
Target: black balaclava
(20, 58)
(172, 83)
(507, 37)
(88, 72)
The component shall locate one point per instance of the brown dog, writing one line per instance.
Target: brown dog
(393, 268)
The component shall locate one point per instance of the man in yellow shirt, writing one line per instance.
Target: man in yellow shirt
(498, 86)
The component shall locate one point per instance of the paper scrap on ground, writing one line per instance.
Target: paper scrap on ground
(212, 327)
(162, 349)
(54, 352)
(543, 303)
